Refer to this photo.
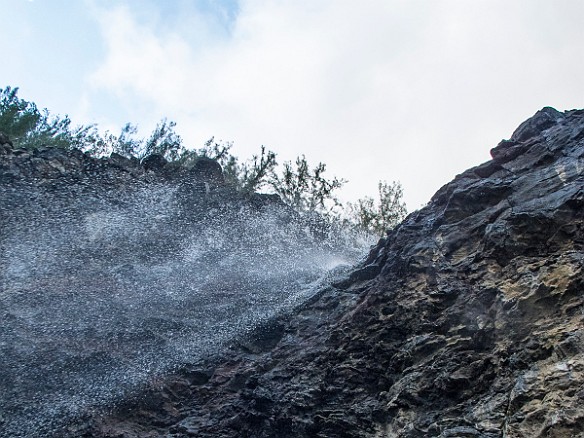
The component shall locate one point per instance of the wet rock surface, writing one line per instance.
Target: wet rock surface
(114, 274)
(466, 321)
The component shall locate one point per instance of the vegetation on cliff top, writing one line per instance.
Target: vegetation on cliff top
(300, 185)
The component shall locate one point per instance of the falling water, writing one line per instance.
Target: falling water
(102, 288)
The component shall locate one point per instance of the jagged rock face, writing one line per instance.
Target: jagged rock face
(48, 165)
(466, 321)
(112, 273)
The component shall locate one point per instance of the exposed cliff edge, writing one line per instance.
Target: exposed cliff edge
(467, 321)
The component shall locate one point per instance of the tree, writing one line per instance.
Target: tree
(383, 215)
(17, 116)
(299, 186)
(162, 141)
(306, 189)
(29, 127)
(217, 150)
(255, 173)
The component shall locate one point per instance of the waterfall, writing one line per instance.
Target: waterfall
(105, 288)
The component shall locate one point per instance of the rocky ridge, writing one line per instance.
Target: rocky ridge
(466, 321)
(50, 164)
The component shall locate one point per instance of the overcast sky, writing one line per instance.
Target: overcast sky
(408, 90)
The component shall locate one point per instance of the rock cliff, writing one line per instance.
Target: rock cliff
(466, 321)
(115, 272)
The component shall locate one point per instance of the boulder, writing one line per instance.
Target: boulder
(207, 170)
(154, 162)
(123, 162)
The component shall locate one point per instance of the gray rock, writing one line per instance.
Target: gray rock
(154, 162)
(467, 320)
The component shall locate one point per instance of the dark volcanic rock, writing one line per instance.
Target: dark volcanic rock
(154, 162)
(208, 170)
(467, 321)
(123, 162)
(533, 127)
(112, 276)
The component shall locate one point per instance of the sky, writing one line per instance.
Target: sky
(410, 90)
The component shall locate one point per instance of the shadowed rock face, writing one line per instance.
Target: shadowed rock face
(114, 273)
(466, 321)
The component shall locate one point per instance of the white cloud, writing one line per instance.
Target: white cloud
(412, 90)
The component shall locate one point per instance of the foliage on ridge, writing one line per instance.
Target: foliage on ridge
(300, 185)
